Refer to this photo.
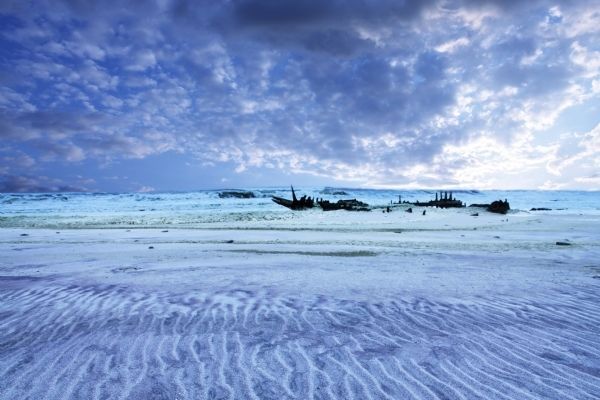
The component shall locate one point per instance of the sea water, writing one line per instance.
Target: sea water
(199, 208)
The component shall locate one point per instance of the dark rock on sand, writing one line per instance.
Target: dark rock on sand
(541, 209)
(334, 192)
(563, 243)
(409, 210)
(236, 195)
(499, 207)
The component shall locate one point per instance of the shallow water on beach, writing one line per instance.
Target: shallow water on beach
(202, 208)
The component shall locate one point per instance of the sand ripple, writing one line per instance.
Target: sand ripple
(60, 342)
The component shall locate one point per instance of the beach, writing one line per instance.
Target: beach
(323, 305)
(300, 200)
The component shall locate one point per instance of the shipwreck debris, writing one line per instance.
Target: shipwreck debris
(445, 200)
(348, 205)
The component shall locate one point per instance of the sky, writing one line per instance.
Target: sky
(174, 95)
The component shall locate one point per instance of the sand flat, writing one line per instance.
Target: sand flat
(436, 308)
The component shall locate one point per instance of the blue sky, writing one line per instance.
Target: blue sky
(184, 95)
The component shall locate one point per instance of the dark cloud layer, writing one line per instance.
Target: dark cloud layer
(359, 90)
(21, 184)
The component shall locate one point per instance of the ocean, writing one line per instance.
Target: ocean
(202, 208)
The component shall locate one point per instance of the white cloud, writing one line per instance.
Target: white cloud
(146, 189)
(142, 60)
(588, 60)
(452, 45)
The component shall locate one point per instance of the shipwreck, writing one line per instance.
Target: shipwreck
(295, 204)
(305, 202)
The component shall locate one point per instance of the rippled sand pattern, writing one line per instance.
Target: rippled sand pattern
(62, 341)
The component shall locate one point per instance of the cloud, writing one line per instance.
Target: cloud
(313, 13)
(14, 160)
(146, 189)
(62, 151)
(142, 60)
(374, 92)
(452, 45)
(24, 184)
